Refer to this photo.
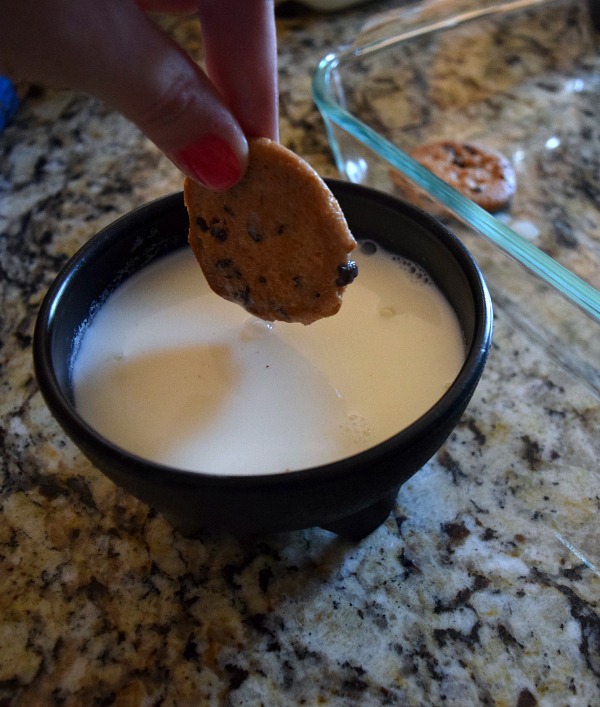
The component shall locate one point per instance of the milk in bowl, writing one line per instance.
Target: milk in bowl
(172, 373)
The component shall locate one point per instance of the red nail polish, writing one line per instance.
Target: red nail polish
(211, 161)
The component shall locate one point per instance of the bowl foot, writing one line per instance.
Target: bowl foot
(359, 525)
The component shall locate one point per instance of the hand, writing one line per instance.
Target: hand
(113, 51)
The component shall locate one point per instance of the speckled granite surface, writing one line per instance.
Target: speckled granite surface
(483, 586)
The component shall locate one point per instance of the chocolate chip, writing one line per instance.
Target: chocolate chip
(201, 223)
(227, 264)
(218, 232)
(346, 273)
(284, 315)
(255, 234)
(242, 295)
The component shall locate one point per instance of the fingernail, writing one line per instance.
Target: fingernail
(210, 160)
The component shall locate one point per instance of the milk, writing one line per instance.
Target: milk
(175, 374)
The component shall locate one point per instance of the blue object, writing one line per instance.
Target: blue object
(9, 102)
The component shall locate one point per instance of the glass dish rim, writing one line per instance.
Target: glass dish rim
(542, 265)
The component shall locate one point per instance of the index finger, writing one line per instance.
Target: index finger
(241, 60)
(175, 7)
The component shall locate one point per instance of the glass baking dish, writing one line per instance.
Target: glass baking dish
(521, 77)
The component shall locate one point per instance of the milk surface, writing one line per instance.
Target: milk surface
(173, 373)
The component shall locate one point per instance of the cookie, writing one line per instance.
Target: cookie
(277, 242)
(481, 174)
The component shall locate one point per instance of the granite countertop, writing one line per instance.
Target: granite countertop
(482, 587)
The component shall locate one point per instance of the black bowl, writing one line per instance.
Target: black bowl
(350, 497)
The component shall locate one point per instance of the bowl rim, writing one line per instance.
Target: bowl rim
(64, 411)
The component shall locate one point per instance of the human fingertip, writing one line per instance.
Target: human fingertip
(211, 161)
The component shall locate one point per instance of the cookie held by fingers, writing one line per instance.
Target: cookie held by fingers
(277, 243)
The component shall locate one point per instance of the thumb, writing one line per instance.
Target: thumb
(115, 52)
